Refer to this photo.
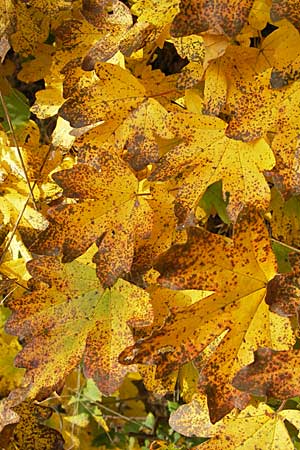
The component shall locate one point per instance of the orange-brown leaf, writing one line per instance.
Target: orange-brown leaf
(220, 17)
(109, 212)
(272, 374)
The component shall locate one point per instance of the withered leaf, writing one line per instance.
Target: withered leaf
(109, 212)
(30, 432)
(272, 374)
(283, 292)
(219, 17)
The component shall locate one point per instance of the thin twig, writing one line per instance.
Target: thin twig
(286, 245)
(14, 229)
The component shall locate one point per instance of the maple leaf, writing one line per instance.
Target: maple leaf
(156, 12)
(281, 50)
(285, 222)
(219, 17)
(255, 110)
(283, 291)
(30, 432)
(238, 272)
(215, 90)
(114, 94)
(163, 233)
(10, 377)
(245, 430)
(138, 132)
(110, 211)
(32, 28)
(259, 15)
(96, 34)
(68, 316)
(272, 374)
(286, 143)
(206, 155)
(285, 9)
(7, 11)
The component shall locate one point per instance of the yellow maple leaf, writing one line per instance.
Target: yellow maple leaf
(285, 144)
(114, 94)
(156, 12)
(206, 155)
(238, 273)
(69, 314)
(251, 427)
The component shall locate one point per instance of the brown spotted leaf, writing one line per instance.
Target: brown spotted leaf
(95, 35)
(254, 428)
(114, 94)
(285, 223)
(283, 292)
(68, 316)
(30, 432)
(206, 155)
(286, 143)
(288, 9)
(238, 272)
(272, 374)
(255, 109)
(220, 17)
(137, 135)
(109, 212)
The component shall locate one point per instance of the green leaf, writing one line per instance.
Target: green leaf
(213, 202)
(91, 392)
(282, 256)
(18, 110)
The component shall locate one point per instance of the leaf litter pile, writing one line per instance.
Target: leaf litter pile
(150, 224)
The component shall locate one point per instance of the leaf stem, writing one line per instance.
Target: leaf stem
(17, 147)
(297, 250)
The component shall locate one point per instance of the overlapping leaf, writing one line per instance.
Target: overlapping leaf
(286, 143)
(30, 432)
(283, 293)
(220, 17)
(114, 94)
(110, 211)
(206, 155)
(285, 9)
(238, 272)
(285, 223)
(254, 426)
(272, 374)
(68, 316)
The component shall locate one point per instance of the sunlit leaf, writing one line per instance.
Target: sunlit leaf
(205, 156)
